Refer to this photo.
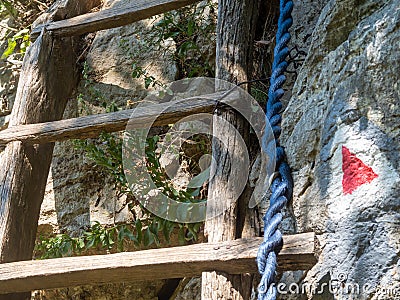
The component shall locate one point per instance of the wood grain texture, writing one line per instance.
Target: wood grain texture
(92, 126)
(235, 38)
(112, 17)
(234, 257)
(47, 78)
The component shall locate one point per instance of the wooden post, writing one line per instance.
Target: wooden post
(237, 20)
(47, 79)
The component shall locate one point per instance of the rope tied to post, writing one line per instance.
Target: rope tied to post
(282, 185)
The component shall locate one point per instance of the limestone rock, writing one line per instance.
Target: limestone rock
(9, 75)
(347, 94)
(78, 192)
(123, 291)
(189, 288)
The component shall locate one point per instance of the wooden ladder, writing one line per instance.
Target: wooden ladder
(233, 257)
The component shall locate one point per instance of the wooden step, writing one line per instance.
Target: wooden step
(233, 257)
(92, 126)
(110, 18)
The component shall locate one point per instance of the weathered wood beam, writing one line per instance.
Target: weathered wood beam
(112, 17)
(47, 79)
(234, 257)
(236, 29)
(92, 126)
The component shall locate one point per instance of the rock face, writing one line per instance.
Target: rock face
(9, 74)
(136, 290)
(340, 130)
(341, 123)
(78, 193)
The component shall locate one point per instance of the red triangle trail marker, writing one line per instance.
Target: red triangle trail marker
(355, 172)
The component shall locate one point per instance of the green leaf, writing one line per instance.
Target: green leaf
(167, 229)
(171, 34)
(196, 192)
(190, 29)
(148, 237)
(138, 225)
(121, 233)
(192, 231)
(181, 235)
(10, 48)
(163, 22)
(131, 237)
(185, 47)
(91, 242)
(161, 94)
(154, 227)
(197, 226)
(80, 244)
(10, 7)
(148, 81)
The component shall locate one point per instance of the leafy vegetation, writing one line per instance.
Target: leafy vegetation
(141, 233)
(188, 28)
(185, 35)
(19, 15)
(16, 17)
(19, 40)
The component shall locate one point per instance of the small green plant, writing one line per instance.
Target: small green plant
(115, 238)
(160, 179)
(59, 246)
(22, 14)
(149, 80)
(189, 28)
(106, 152)
(18, 43)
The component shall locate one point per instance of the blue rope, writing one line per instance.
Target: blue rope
(282, 185)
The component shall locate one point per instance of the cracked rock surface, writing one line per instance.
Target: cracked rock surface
(347, 95)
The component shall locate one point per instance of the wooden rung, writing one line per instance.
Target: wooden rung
(233, 257)
(92, 126)
(110, 18)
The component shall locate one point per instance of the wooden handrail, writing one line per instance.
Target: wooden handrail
(233, 257)
(110, 18)
(92, 126)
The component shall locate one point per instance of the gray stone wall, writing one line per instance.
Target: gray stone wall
(347, 95)
(78, 192)
(344, 93)
(341, 123)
